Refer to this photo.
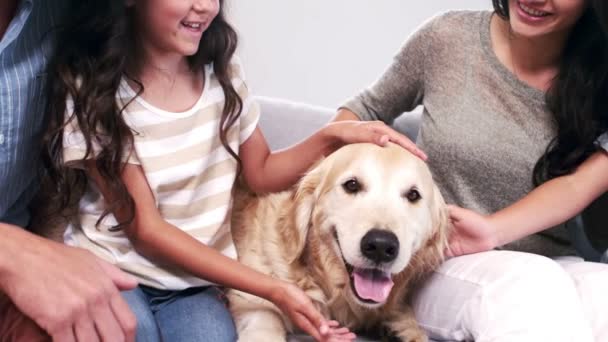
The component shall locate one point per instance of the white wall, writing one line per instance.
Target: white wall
(323, 51)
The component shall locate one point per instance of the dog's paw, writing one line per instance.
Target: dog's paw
(407, 339)
(419, 338)
(407, 335)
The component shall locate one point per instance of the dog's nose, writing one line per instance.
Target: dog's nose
(380, 245)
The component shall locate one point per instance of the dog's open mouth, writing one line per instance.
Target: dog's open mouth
(370, 285)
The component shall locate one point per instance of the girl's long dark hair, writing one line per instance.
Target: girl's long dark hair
(578, 97)
(93, 53)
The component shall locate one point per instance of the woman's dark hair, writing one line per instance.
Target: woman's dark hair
(578, 97)
(94, 53)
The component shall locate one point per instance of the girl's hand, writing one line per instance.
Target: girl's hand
(472, 232)
(377, 132)
(301, 311)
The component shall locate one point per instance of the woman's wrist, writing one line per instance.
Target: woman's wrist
(498, 236)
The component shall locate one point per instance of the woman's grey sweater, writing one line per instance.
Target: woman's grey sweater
(482, 128)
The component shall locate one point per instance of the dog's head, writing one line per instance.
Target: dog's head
(373, 208)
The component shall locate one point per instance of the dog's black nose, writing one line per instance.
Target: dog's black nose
(380, 245)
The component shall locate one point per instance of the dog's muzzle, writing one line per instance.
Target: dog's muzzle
(372, 285)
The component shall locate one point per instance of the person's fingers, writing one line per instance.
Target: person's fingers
(84, 329)
(333, 323)
(65, 334)
(382, 139)
(308, 327)
(455, 212)
(339, 331)
(401, 140)
(121, 280)
(324, 329)
(370, 136)
(448, 252)
(106, 321)
(308, 310)
(125, 316)
(455, 247)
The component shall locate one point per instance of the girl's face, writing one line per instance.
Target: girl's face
(536, 18)
(174, 26)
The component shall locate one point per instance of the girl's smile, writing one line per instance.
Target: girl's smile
(174, 26)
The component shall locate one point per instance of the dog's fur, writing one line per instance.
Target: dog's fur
(308, 236)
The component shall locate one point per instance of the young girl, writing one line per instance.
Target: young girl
(157, 125)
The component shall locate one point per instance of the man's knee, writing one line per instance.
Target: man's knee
(15, 326)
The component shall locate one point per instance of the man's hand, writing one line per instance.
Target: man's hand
(68, 292)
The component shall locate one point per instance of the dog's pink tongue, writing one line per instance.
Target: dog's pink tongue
(372, 284)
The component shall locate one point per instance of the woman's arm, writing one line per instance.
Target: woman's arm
(345, 114)
(546, 206)
(270, 172)
(155, 238)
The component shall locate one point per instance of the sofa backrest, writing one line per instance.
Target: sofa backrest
(285, 123)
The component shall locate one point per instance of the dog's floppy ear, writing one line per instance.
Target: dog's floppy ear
(304, 200)
(431, 254)
(440, 219)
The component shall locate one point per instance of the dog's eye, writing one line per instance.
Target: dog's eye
(413, 195)
(351, 186)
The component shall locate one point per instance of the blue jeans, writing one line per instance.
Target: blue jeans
(195, 314)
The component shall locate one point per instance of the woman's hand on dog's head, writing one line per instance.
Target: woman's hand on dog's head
(375, 132)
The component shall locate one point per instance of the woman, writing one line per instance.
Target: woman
(509, 96)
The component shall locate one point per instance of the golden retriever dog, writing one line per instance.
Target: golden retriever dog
(359, 230)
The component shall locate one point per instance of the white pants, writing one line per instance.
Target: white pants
(502, 296)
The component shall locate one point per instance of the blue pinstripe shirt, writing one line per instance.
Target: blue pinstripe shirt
(24, 51)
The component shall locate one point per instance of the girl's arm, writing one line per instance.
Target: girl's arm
(270, 172)
(155, 238)
(546, 206)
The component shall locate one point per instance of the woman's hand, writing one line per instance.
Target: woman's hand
(377, 132)
(472, 232)
(301, 311)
